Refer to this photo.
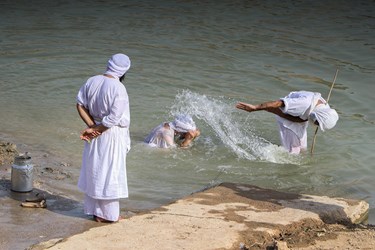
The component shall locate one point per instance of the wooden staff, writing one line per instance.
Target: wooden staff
(329, 95)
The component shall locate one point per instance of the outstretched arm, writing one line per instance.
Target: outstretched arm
(268, 106)
(272, 107)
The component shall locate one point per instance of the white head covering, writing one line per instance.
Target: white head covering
(183, 123)
(117, 65)
(325, 115)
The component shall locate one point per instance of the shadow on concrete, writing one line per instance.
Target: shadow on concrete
(61, 218)
(55, 203)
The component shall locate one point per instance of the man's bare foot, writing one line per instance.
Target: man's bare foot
(98, 219)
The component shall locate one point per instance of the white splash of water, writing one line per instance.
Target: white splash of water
(220, 114)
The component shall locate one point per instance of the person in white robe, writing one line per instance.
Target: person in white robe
(182, 130)
(293, 113)
(103, 104)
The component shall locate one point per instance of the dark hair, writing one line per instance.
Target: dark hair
(122, 78)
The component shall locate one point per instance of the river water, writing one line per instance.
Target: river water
(198, 57)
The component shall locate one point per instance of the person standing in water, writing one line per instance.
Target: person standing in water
(293, 113)
(182, 129)
(103, 104)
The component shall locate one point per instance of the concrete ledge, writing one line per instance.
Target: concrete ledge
(223, 217)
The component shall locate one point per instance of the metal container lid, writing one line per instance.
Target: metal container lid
(23, 159)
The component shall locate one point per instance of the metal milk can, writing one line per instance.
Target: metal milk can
(22, 174)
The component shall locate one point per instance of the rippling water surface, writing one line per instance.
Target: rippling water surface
(200, 58)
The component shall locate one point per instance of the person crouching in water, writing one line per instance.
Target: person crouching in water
(182, 131)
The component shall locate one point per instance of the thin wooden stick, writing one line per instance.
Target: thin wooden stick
(329, 95)
(333, 83)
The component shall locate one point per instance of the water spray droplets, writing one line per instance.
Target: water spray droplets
(236, 130)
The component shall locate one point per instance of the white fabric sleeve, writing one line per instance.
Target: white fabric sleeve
(81, 96)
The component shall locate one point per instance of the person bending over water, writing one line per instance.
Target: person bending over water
(293, 113)
(182, 130)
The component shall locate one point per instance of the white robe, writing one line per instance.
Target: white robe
(161, 137)
(103, 172)
(293, 135)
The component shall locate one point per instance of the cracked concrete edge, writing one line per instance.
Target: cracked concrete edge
(329, 210)
(351, 212)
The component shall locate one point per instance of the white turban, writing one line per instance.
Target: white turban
(183, 123)
(325, 115)
(117, 65)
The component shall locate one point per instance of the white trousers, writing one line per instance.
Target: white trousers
(106, 209)
(291, 141)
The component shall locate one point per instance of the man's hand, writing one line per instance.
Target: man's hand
(194, 133)
(89, 133)
(246, 106)
(189, 137)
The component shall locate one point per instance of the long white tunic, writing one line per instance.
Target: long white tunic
(293, 135)
(103, 172)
